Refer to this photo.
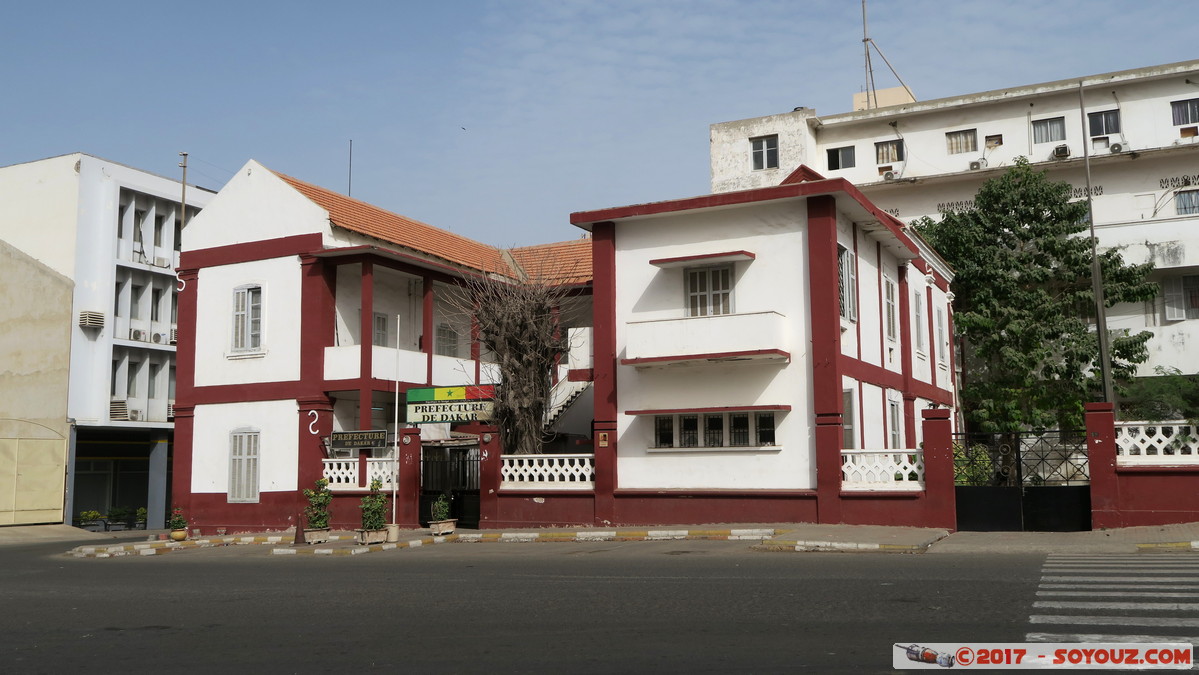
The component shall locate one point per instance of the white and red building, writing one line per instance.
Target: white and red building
(766, 355)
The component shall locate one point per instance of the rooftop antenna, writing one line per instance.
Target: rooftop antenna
(867, 43)
(350, 177)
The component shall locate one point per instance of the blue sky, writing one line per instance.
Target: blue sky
(497, 119)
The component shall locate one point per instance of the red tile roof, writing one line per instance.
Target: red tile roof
(565, 262)
(358, 216)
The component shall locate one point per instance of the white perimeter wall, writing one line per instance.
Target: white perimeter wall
(278, 446)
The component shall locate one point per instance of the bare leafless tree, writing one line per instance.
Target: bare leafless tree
(519, 326)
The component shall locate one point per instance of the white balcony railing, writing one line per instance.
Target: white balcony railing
(1156, 444)
(548, 472)
(732, 335)
(343, 473)
(882, 470)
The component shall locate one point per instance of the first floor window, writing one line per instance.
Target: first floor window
(1182, 297)
(1185, 112)
(942, 338)
(152, 387)
(243, 466)
(131, 379)
(1050, 130)
(848, 437)
(847, 283)
(890, 311)
(957, 142)
(1187, 203)
(1104, 123)
(380, 337)
(918, 313)
(714, 430)
(447, 340)
(841, 158)
(888, 152)
(710, 291)
(765, 152)
(247, 319)
(893, 424)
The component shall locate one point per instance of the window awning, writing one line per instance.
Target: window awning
(703, 259)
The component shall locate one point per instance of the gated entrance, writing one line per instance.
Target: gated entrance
(452, 469)
(1027, 481)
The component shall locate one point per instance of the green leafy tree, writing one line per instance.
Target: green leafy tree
(1024, 305)
(1169, 396)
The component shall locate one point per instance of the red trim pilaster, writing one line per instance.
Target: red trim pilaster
(490, 475)
(825, 320)
(1101, 456)
(314, 424)
(317, 319)
(604, 427)
(938, 469)
(905, 358)
(185, 389)
(181, 461)
(366, 339)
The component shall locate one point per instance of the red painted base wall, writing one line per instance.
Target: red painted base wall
(1151, 498)
(700, 508)
(523, 509)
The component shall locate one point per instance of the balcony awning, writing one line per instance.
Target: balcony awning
(703, 259)
(717, 409)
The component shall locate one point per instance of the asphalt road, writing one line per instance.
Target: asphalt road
(601, 607)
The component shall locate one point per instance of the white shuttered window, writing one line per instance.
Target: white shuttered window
(243, 466)
(247, 319)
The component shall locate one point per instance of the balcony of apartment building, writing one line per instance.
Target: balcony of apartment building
(714, 338)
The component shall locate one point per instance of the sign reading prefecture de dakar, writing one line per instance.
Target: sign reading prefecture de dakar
(451, 404)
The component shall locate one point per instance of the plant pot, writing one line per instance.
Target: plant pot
(178, 535)
(393, 533)
(317, 535)
(367, 537)
(440, 527)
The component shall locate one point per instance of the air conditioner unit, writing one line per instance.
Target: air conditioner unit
(162, 262)
(890, 175)
(137, 334)
(980, 163)
(1116, 148)
(136, 415)
(174, 335)
(1061, 151)
(159, 338)
(89, 319)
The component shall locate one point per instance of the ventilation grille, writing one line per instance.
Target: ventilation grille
(91, 319)
(118, 410)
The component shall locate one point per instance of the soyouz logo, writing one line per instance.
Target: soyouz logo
(1047, 655)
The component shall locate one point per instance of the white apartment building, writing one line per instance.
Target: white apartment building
(111, 234)
(1139, 127)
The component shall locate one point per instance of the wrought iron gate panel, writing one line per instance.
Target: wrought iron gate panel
(1035, 481)
(453, 471)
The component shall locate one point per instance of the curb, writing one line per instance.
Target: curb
(1170, 546)
(163, 547)
(825, 546)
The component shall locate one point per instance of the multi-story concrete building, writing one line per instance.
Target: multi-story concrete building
(1139, 128)
(88, 386)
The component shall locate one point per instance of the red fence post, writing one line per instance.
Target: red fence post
(408, 490)
(490, 464)
(1101, 459)
(939, 489)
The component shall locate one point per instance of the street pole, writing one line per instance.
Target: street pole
(1105, 363)
(395, 422)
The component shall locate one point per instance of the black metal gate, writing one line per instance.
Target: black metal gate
(1027, 481)
(453, 471)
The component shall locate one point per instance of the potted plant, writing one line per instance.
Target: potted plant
(117, 518)
(91, 521)
(374, 516)
(177, 524)
(440, 521)
(316, 514)
(140, 518)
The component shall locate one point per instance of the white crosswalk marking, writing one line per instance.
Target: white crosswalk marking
(1127, 598)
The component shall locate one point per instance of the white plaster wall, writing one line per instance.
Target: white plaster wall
(39, 210)
(776, 281)
(279, 359)
(255, 205)
(731, 151)
(278, 449)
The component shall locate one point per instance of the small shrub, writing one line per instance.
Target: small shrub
(374, 508)
(141, 514)
(440, 509)
(319, 499)
(177, 521)
(86, 516)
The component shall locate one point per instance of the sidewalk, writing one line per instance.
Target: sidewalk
(790, 537)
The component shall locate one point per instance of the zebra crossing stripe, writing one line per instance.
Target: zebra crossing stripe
(1086, 604)
(1095, 637)
(1164, 587)
(1194, 579)
(1119, 594)
(1114, 620)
